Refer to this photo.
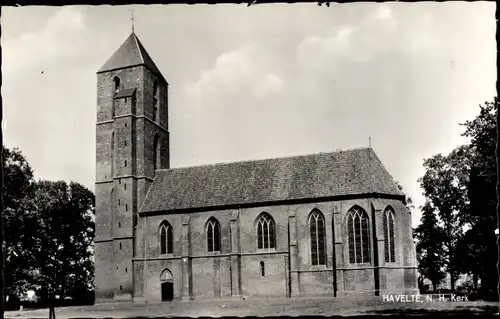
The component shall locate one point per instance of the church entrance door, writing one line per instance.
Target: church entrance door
(167, 291)
(167, 285)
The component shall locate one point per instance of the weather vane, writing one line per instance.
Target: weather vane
(132, 18)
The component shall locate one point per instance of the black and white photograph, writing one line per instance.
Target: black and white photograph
(264, 159)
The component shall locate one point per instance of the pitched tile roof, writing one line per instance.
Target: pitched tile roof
(351, 172)
(131, 53)
(124, 93)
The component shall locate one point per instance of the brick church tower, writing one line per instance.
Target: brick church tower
(132, 140)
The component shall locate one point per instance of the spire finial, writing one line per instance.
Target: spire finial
(132, 19)
(369, 142)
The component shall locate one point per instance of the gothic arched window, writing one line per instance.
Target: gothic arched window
(318, 242)
(358, 236)
(265, 232)
(157, 152)
(213, 235)
(390, 251)
(166, 239)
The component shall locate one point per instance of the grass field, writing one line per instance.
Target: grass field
(265, 307)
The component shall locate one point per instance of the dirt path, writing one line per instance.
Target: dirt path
(263, 307)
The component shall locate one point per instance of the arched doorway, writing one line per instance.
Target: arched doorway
(167, 285)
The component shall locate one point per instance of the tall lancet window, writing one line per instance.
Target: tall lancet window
(265, 232)
(213, 235)
(112, 155)
(358, 235)
(157, 152)
(156, 115)
(390, 249)
(317, 234)
(166, 239)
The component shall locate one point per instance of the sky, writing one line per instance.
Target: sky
(256, 82)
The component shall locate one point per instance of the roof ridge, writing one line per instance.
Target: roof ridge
(374, 157)
(146, 197)
(139, 47)
(264, 159)
(131, 53)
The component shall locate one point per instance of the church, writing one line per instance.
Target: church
(328, 224)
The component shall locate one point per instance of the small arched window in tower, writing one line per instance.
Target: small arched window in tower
(116, 84)
(390, 250)
(126, 207)
(119, 201)
(121, 287)
(317, 234)
(120, 246)
(125, 186)
(265, 232)
(126, 270)
(358, 235)
(125, 163)
(262, 269)
(119, 225)
(213, 235)
(166, 239)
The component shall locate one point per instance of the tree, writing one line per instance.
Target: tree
(468, 253)
(480, 245)
(49, 232)
(17, 185)
(461, 188)
(445, 187)
(430, 249)
(65, 231)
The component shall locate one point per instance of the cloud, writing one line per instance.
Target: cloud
(227, 103)
(39, 106)
(248, 69)
(386, 28)
(315, 51)
(394, 66)
(58, 38)
(269, 84)
(384, 12)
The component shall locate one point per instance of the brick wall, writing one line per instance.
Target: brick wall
(130, 78)
(316, 283)
(272, 284)
(236, 268)
(124, 162)
(104, 271)
(147, 101)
